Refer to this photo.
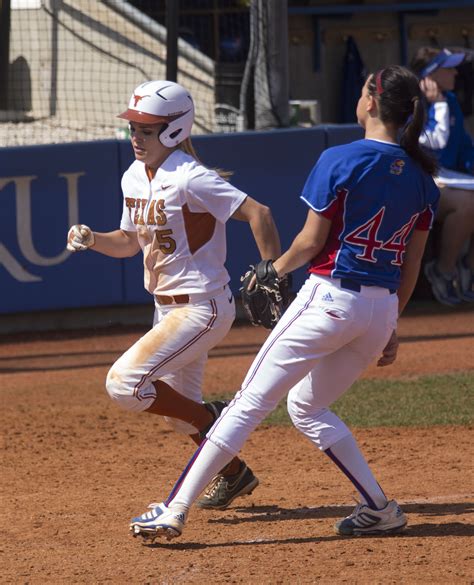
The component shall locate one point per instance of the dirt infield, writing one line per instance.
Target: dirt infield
(75, 469)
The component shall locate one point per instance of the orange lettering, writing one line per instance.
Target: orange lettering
(151, 214)
(160, 214)
(130, 204)
(138, 219)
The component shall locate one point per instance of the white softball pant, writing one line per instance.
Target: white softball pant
(324, 341)
(174, 351)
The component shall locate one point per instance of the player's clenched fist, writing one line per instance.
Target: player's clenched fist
(79, 237)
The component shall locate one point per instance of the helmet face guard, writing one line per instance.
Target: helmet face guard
(162, 102)
(177, 130)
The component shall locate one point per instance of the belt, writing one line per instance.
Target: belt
(190, 298)
(349, 284)
(170, 299)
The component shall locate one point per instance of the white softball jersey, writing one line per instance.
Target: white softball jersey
(179, 216)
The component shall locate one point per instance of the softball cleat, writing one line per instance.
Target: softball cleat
(223, 490)
(160, 521)
(365, 520)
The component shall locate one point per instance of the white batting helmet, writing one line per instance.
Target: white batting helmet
(161, 101)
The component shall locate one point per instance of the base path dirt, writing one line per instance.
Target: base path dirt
(75, 469)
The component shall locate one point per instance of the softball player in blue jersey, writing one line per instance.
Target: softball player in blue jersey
(371, 204)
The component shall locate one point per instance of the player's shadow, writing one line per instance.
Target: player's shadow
(277, 514)
(428, 510)
(416, 531)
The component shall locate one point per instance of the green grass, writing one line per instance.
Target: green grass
(422, 402)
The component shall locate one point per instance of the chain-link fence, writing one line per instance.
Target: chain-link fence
(72, 64)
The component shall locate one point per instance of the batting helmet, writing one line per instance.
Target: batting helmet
(162, 101)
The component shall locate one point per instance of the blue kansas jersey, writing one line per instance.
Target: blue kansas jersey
(375, 195)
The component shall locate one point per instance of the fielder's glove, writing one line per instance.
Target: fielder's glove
(266, 302)
(79, 238)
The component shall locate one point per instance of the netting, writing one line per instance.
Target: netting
(74, 63)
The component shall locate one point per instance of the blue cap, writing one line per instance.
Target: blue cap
(444, 59)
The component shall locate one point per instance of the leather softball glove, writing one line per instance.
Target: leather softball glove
(267, 300)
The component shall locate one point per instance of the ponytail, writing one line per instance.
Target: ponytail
(409, 139)
(399, 100)
(188, 147)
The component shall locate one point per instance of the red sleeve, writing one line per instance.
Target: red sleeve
(332, 209)
(425, 219)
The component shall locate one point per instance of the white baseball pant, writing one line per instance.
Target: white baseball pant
(324, 341)
(174, 351)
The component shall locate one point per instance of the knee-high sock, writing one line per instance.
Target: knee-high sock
(348, 457)
(203, 466)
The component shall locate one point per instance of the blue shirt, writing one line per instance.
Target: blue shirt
(375, 195)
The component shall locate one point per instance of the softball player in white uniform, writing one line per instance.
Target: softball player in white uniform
(175, 210)
(371, 204)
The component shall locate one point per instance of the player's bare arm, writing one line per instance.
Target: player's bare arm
(411, 267)
(117, 244)
(409, 275)
(262, 225)
(307, 244)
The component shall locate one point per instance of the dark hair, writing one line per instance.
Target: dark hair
(400, 103)
(422, 57)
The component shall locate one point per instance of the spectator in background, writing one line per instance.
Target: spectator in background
(451, 273)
